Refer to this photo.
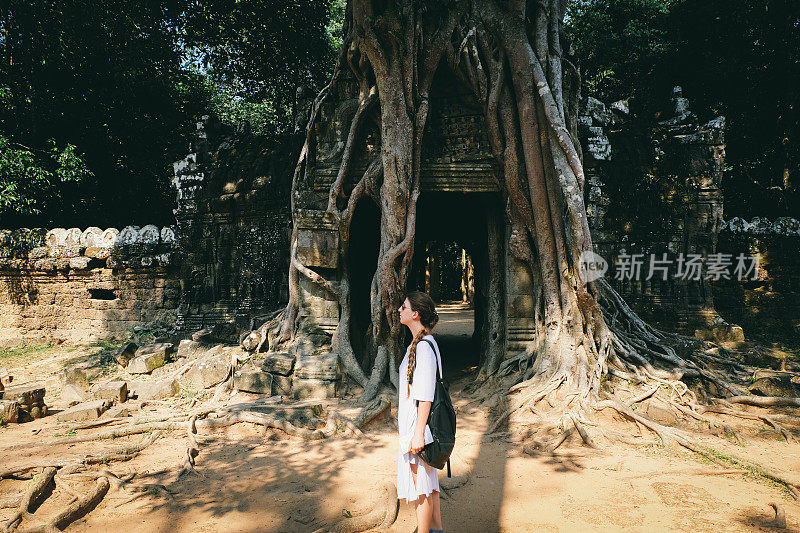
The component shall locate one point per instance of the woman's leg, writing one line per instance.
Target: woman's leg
(423, 506)
(436, 519)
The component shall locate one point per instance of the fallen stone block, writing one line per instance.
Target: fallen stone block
(253, 381)
(118, 411)
(83, 411)
(721, 333)
(115, 391)
(165, 348)
(780, 385)
(144, 364)
(208, 370)
(80, 374)
(321, 367)
(9, 412)
(189, 349)
(73, 394)
(25, 394)
(125, 353)
(153, 390)
(201, 335)
(166, 370)
(281, 363)
(30, 400)
(314, 388)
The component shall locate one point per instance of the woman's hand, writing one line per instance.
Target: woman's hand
(417, 442)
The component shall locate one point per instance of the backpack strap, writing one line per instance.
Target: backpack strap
(438, 357)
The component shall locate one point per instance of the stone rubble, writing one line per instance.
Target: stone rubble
(84, 411)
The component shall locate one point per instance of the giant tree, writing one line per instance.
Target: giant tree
(508, 53)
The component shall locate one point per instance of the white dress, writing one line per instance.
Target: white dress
(422, 389)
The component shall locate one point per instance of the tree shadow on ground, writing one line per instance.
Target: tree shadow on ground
(247, 476)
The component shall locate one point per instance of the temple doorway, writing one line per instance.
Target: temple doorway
(455, 235)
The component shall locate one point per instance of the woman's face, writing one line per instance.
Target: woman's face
(407, 315)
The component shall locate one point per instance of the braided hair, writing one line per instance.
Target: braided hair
(422, 304)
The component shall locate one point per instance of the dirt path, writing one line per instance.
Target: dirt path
(254, 480)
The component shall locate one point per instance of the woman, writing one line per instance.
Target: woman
(417, 481)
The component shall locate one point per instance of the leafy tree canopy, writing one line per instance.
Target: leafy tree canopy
(106, 78)
(256, 53)
(119, 86)
(738, 58)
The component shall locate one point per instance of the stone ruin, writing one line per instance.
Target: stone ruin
(86, 285)
(233, 224)
(656, 188)
(652, 187)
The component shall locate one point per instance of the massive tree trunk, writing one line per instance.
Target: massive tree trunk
(508, 54)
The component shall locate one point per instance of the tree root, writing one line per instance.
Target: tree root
(727, 460)
(77, 509)
(372, 411)
(780, 516)
(263, 419)
(538, 394)
(122, 453)
(559, 440)
(582, 431)
(765, 401)
(192, 451)
(381, 517)
(35, 489)
(110, 434)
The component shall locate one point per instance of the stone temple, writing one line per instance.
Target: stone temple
(654, 186)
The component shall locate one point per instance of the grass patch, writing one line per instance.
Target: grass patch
(753, 472)
(23, 352)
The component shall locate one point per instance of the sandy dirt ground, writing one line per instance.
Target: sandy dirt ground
(252, 480)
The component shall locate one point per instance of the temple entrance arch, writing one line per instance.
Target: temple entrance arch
(471, 225)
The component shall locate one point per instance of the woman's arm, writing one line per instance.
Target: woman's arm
(418, 441)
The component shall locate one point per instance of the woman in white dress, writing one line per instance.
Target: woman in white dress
(417, 481)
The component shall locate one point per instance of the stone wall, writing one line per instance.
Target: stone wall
(767, 304)
(83, 286)
(233, 224)
(655, 187)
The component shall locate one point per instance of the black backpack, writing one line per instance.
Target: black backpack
(442, 421)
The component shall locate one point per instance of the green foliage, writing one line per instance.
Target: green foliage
(103, 79)
(23, 352)
(621, 45)
(30, 182)
(256, 53)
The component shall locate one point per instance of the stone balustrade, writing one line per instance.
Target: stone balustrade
(68, 284)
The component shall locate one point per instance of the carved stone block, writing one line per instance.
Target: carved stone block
(325, 367)
(318, 247)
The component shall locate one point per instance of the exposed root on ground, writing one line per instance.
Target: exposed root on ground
(383, 514)
(780, 516)
(656, 366)
(34, 491)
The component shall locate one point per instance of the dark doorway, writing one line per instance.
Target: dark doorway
(362, 259)
(452, 236)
